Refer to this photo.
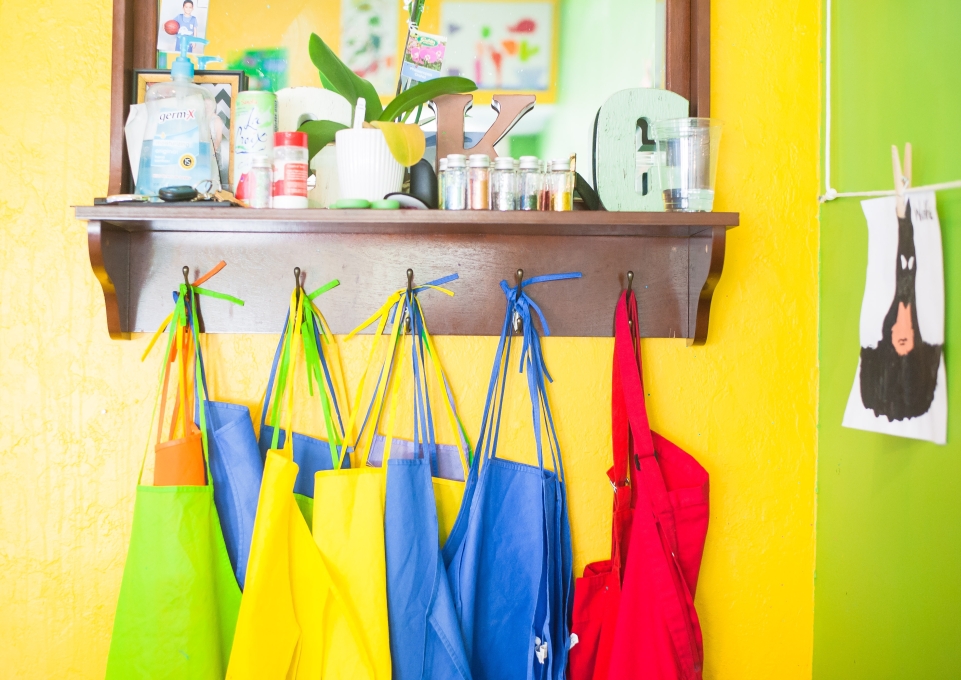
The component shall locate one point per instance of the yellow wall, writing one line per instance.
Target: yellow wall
(74, 405)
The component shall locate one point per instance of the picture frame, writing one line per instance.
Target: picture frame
(224, 85)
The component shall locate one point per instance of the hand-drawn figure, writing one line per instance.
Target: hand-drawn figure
(900, 374)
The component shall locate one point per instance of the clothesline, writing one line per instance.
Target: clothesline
(830, 193)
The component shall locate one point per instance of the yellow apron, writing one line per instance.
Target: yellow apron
(294, 621)
(353, 544)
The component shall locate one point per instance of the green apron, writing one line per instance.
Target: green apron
(179, 598)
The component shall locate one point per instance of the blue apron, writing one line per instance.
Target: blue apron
(236, 468)
(509, 554)
(310, 454)
(425, 640)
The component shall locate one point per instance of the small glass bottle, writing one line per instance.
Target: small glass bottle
(478, 182)
(503, 181)
(529, 183)
(455, 182)
(259, 184)
(544, 199)
(441, 170)
(562, 185)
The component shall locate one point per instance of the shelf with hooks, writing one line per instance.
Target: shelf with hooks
(676, 258)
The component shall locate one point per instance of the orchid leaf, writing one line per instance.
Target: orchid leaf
(320, 133)
(336, 76)
(421, 93)
(406, 142)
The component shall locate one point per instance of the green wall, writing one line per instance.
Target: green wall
(888, 579)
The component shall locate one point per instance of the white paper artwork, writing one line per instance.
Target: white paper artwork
(900, 387)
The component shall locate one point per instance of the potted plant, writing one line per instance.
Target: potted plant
(371, 157)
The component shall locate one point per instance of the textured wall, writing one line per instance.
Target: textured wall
(888, 600)
(74, 405)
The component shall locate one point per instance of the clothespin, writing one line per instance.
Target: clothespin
(902, 180)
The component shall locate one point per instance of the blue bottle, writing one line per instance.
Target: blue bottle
(177, 148)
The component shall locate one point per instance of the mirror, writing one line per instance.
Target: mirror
(572, 54)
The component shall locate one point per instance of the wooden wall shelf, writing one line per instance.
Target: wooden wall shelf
(137, 252)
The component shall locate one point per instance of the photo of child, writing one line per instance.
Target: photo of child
(191, 19)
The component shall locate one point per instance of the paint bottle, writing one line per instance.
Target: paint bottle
(503, 181)
(529, 183)
(478, 182)
(441, 171)
(455, 182)
(259, 185)
(544, 195)
(562, 185)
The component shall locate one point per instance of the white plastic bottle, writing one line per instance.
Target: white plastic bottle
(177, 149)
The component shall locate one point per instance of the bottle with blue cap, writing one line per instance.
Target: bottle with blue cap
(177, 147)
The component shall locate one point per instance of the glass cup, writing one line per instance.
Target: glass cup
(687, 162)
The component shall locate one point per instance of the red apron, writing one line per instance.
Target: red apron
(656, 635)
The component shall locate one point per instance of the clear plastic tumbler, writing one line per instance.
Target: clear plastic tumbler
(687, 162)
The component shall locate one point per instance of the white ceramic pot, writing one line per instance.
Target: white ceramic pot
(326, 190)
(365, 166)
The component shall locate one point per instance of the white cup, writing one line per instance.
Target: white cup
(365, 167)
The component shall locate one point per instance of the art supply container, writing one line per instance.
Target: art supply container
(544, 199)
(478, 182)
(455, 182)
(687, 162)
(529, 183)
(259, 184)
(290, 170)
(256, 123)
(441, 170)
(562, 185)
(503, 184)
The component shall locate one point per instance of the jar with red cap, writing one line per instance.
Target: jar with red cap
(290, 170)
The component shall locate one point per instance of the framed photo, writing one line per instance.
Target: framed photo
(224, 86)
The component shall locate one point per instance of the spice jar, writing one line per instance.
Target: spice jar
(259, 186)
(478, 182)
(455, 182)
(441, 170)
(290, 170)
(503, 182)
(562, 185)
(529, 183)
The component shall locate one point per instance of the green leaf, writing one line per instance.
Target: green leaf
(335, 75)
(327, 84)
(341, 79)
(320, 133)
(421, 93)
(406, 142)
(374, 107)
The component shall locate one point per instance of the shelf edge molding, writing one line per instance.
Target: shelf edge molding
(678, 263)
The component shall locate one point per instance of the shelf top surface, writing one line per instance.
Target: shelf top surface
(137, 218)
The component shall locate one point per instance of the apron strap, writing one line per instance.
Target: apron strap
(654, 504)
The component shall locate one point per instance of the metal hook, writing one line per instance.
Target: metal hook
(297, 283)
(186, 272)
(408, 300)
(519, 279)
(630, 281)
(630, 284)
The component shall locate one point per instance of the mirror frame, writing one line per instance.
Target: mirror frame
(688, 64)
